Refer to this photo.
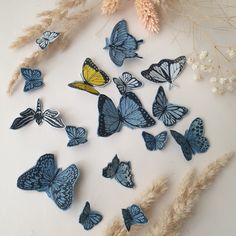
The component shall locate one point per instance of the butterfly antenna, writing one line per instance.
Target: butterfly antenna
(140, 41)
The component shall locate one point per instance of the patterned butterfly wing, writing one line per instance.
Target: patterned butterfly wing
(161, 140)
(51, 36)
(150, 141)
(40, 176)
(62, 188)
(53, 118)
(111, 169)
(127, 218)
(129, 46)
(160, 103)
(121, 86)
(132, 112)
(76, 135)
(109, 118)
(124, 175)
(84, 87)
(42, 42)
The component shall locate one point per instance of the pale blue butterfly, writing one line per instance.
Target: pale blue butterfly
(47, 38)
(76, 135)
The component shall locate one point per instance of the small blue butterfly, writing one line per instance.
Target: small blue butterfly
(157, 142)
(192, 141)
(130, 113)
(46, 177)
(47, 38)
(133, 215)
(77, 135)
(121, 171)
(89, 218)
(126, 83)
(33, 78)
(121, 44)
(167, 112)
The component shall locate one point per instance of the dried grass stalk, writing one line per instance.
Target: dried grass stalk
(147, 200)
(173, 219)
(147, 13)
(109, 7)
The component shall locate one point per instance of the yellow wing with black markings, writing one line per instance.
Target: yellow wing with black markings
(83, 86)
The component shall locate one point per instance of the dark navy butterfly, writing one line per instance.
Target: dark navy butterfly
(50, 116)
(129, 113)
(192, 141)
(46, 177)
(119, 170)
(157, 142)
(126, 83)
(133, 215)
(47, 38)
(89, 218)
(167, 112)
(33, 78)
(121, 44)
(165, 71)
(76, 135)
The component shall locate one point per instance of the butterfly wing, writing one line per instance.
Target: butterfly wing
(117, 55)
(53, 118)
(77, 135)
(51, 36)
(25, 117)
(132, 112)
(127, 218)
(62, 188)
(111, 169)
(149, 140)
(130, 45)
(42, 42)
(161, 140)
(184, 144)
(124, 175)
(109, 118)
(120, 85)
(39, 177)
(119, 33)
(84, 87)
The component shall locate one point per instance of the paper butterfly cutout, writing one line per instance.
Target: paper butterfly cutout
(157, 142)
(165, 71)
(46, 177)
(130, 113)
(89, 218)
(133, 215)
(126, 83)
(50, 116)
(47, 38)
(167, 112)
(76, 135)
(121, 171)
(121, 44)
(92, 76)
(192, 141)
(33, 78)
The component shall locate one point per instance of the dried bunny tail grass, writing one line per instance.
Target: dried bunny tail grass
(147, 200)
(109, 7)
(147, 13)
(48, 18)
(173, 219)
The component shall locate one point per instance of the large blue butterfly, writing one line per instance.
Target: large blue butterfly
(121, 171)
(33, 78)
(89, 218)
(121, 44)
(157, 142)
(192, 141)
(77, 135)
(165, 71)
(47, 38)
(46, 177)
(133, 215)
(167, 112)
(129, 113)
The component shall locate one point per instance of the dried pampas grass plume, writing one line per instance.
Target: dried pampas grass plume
(158, 188)
(109, 7)
(191, 188)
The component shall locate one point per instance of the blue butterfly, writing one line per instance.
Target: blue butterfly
(47, 38)
(121, 44)
(77, 135)
(89, 218)
(46, 177)
(121, 171)
(126, 83)
(133, 215)
(33, 78)
(192, 141)
(167, 112)
(157, 142)
(129, 113)
(165, 71)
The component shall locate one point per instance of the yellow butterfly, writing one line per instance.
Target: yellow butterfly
(92, 76)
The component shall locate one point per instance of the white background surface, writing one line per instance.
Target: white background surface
(25, 213)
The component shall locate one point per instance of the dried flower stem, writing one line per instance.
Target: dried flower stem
(173, 219)
(158, 188)
(109, 7)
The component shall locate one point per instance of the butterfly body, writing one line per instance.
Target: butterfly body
(76, 135)
(47, 38)
(192, 141)
(46, 177)
(121, 171)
